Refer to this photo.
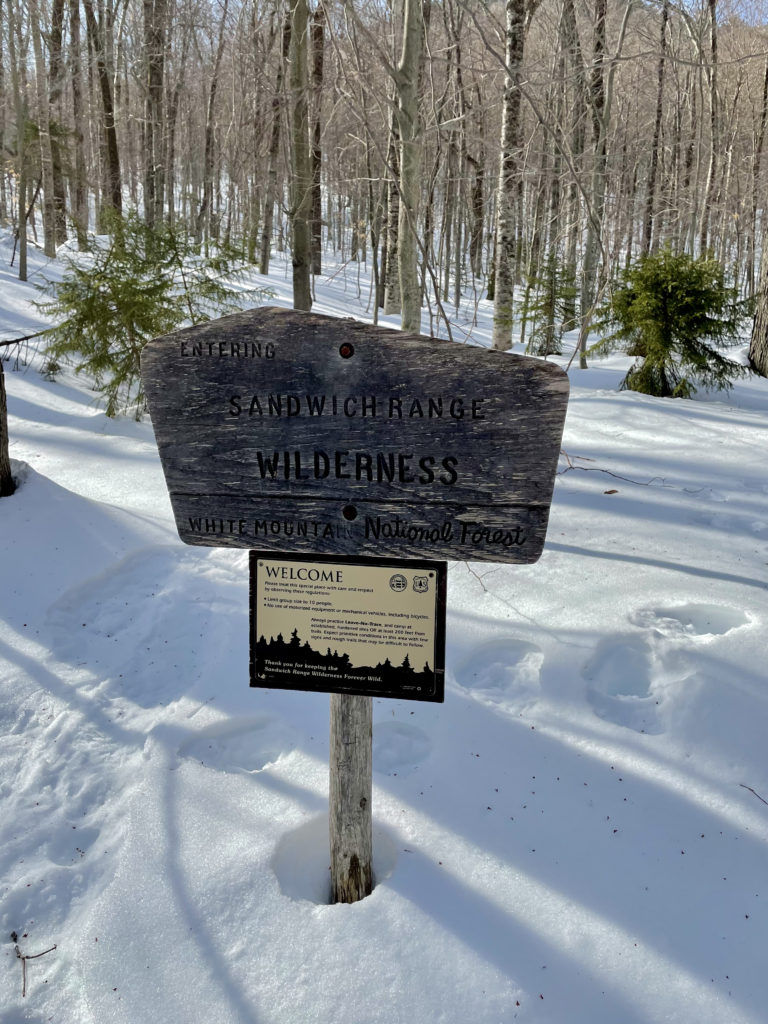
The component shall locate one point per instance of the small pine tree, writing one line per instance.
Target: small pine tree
(672, 311)
(554, 292)
(144, 282)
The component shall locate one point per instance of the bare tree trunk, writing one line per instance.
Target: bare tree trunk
(203, 219)
(576, 130)
(301, 168)
(15, 48)
(375, 206)
(601, 96)
(7, 485)
(3, 178)
(477, 222)
(509, 172)
(390, 260)
(756, 161)
(651, 196)
(318, 43)
(758, 346)
(54, 106)
(409, 126)
(270, 192)
(79, 188)
(155, 27)
(100, 46)
(597, 90)
(714, 141)
(172, 107)
(44, 131)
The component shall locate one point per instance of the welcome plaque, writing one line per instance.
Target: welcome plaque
(348, 625)
(290, 431)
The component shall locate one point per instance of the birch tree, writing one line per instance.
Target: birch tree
(318, 46)
(301, 165)
(409, 129)
(17, 45)
(273, 155)
(43, 130)
(509, 173)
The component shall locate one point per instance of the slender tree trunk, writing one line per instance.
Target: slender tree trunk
(7, 485)
(44, 131)
(54, 107)
(301, 167)
(318, 45)
(15, 48)
(758, 346)
(100, 46)
(390, 262)
(270, 191)
(601, 95)
(3, 179)
(597, 90)
(204, 214)
(410, 164)
(172, 106)
(78, 185)
(755, 189)
(509, 173)
(375, 204)
(461, 234)
(155, 27)
(714, 140)
(577, 138)
(651, 196)
(477, 219)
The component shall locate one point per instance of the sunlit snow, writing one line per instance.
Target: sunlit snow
(579, 835)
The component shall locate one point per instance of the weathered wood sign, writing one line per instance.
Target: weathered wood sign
(284, 430)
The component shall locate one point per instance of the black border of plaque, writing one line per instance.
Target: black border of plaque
(398, 686)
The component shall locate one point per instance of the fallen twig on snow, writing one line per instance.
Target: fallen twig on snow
(754, 793)
(24, 957)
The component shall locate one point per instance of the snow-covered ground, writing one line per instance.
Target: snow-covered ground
(578, 835)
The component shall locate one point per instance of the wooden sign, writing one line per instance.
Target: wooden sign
(372, 627)
(290, 431)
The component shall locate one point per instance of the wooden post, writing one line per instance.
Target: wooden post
(350, 798)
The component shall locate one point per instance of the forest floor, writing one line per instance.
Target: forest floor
(578, 835)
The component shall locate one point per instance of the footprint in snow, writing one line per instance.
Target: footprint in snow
(71, 844)
(505, 671)
(698, 621)
(619, 683)
(399, 747)
(250, 745)
(142, 626)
